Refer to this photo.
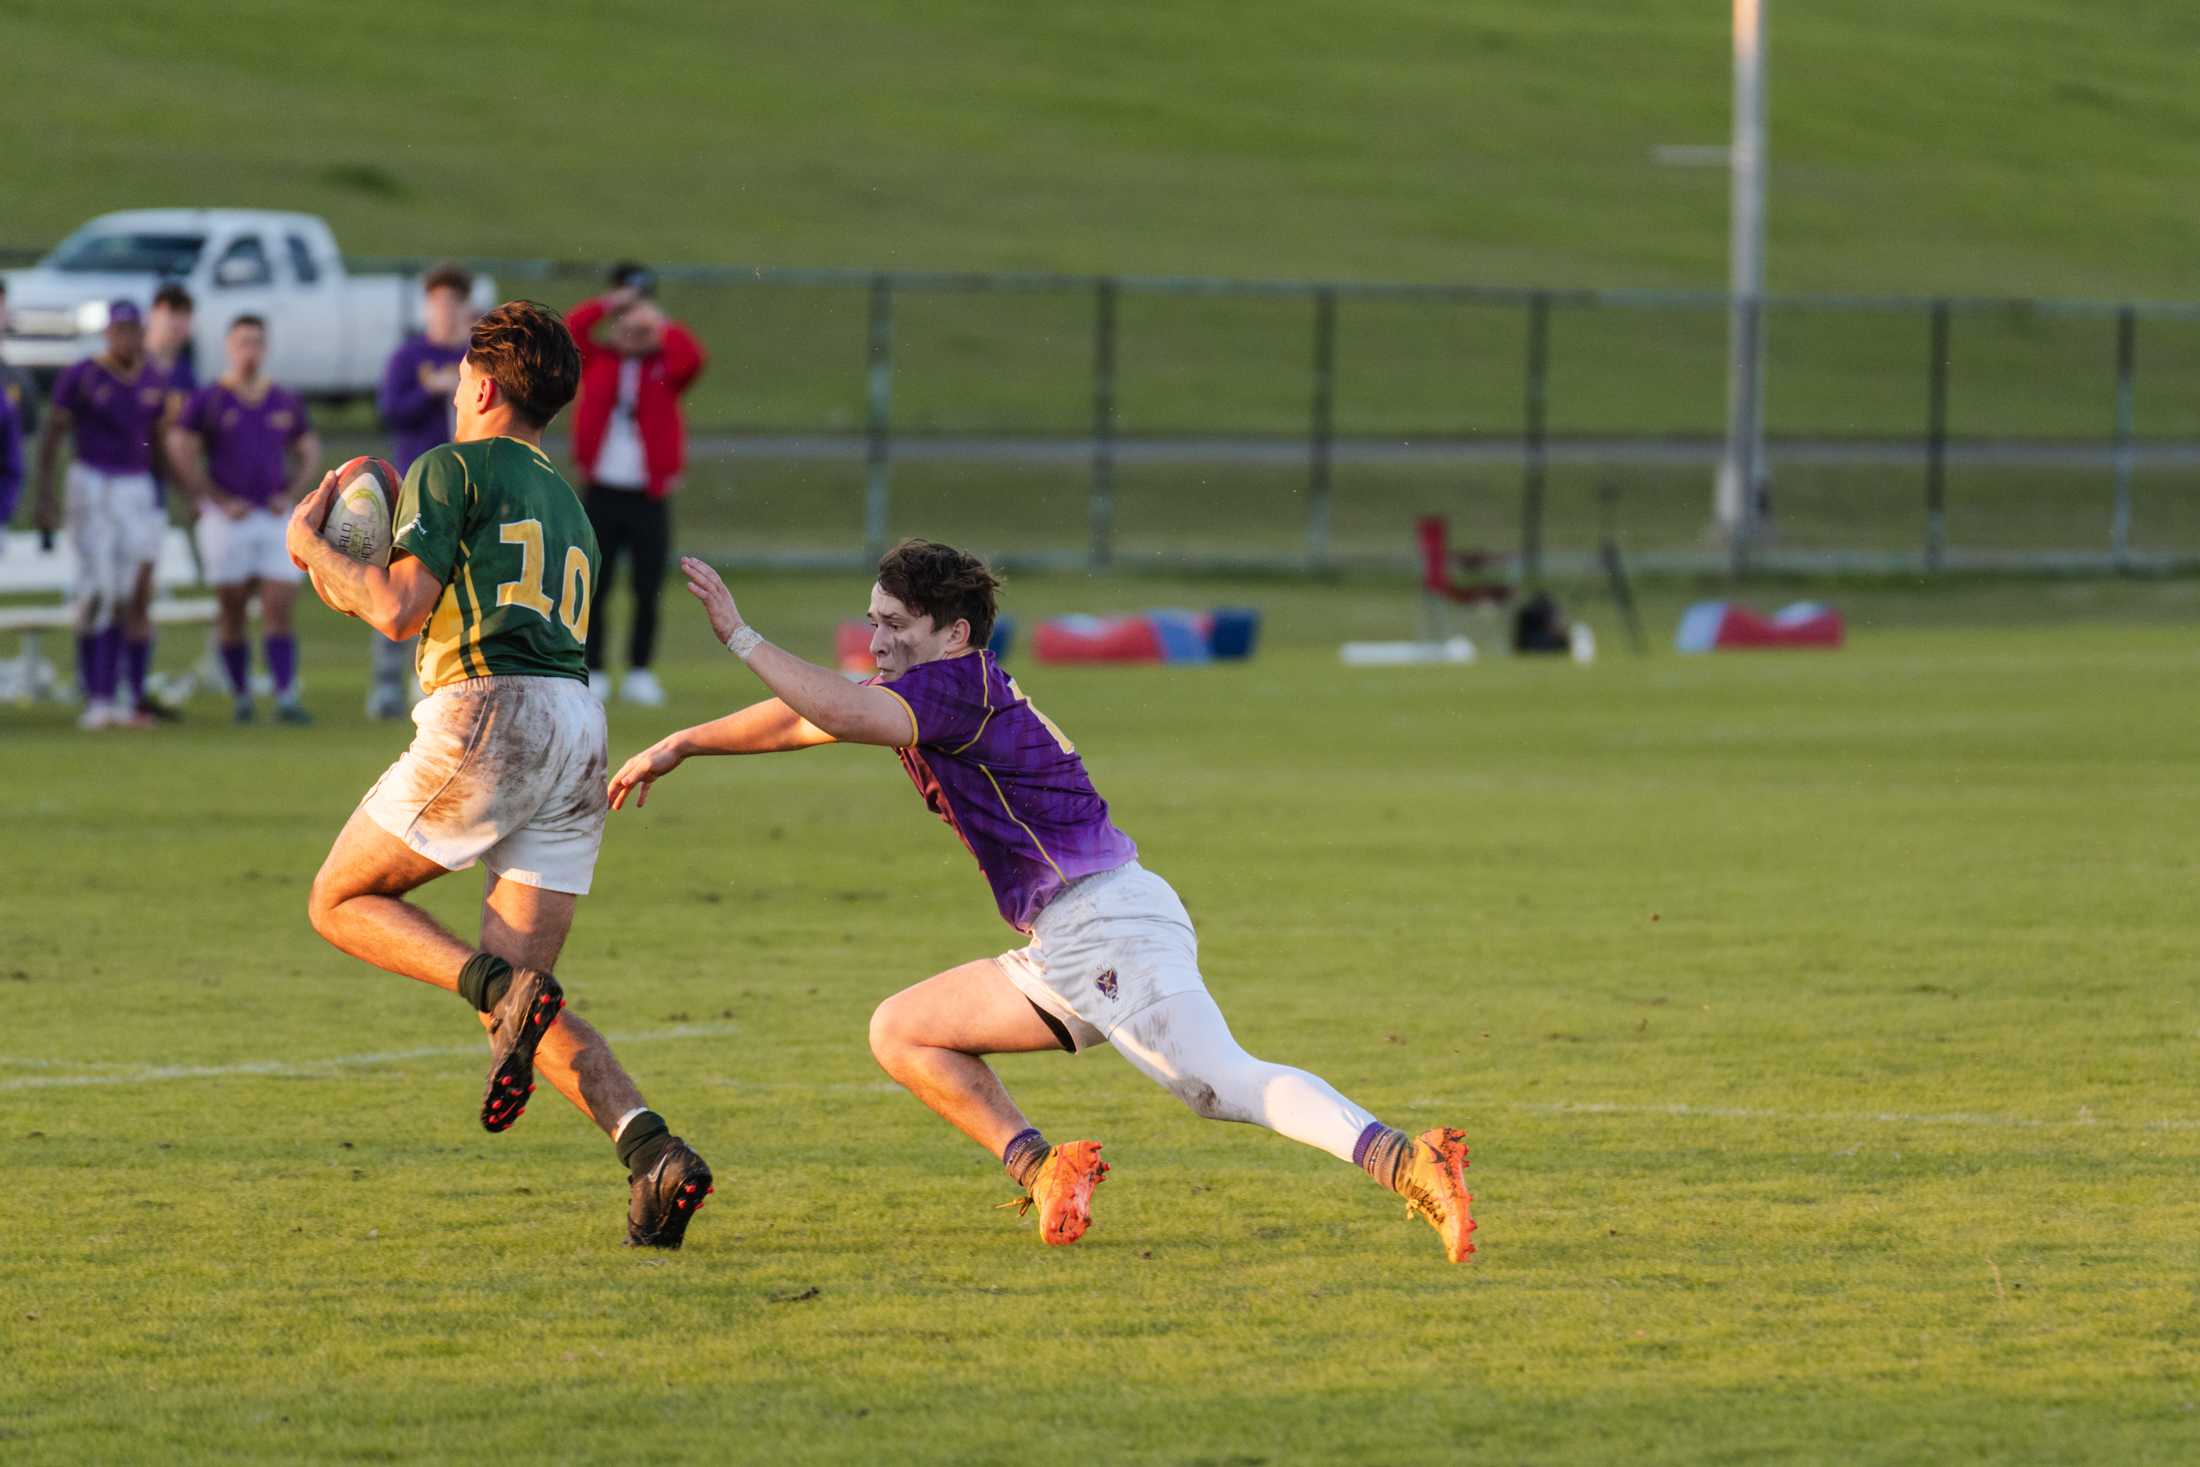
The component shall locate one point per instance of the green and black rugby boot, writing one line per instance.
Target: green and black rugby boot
(525, 1013)
(666, 1196)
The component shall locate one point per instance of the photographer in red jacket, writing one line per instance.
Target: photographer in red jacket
(631, 445)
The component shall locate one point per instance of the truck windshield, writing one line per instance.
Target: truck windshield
(129, 254)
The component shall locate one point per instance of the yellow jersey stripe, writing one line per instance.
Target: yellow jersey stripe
(914, 734)
(1027, 830)
(469, 650)
(985, 681)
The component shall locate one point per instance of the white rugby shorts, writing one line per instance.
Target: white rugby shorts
(1108, 946)
(505, 770)
(115, 524)
(250, 548)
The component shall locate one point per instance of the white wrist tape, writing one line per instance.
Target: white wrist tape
(744, 641)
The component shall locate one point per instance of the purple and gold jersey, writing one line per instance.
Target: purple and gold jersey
(11, 446)
(247, 438)
(113, 419)
(1005, 779)
(419, 416)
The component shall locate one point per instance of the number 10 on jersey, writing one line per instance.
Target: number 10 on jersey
(532, 592)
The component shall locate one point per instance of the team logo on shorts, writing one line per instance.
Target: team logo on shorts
(1106, 982)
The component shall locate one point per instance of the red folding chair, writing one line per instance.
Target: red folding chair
(1454, 578)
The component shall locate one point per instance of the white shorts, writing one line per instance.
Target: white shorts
(1107, 947)
(506, 770)
(115, 525)
(251, 548)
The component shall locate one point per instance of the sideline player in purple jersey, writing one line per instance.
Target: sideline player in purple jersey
(168, 347)
(12, 408)
(113, 407)
(415, 402)
(1111, 958)
(245, 450)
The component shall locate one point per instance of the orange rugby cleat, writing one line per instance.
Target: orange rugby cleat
(1435, 1186)
(1062, 1191)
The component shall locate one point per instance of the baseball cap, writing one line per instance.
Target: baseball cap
(123, 313)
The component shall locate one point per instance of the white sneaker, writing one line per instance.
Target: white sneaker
(641, 686)
(96, 716)
(599, 683)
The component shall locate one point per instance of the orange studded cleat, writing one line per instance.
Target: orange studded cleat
(1062, 1191)
(1435, 1186)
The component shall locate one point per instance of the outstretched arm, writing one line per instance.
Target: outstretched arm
(769, 727)
(854, 713)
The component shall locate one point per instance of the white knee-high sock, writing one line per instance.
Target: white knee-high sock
(1185, 1045)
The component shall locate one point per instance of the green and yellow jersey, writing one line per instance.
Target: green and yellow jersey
(497, 524)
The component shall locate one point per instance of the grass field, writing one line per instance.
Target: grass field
(1981, 145)
(1979, 148)
(1823, 1025)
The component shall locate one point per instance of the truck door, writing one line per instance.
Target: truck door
(243, 283)
(314, 327)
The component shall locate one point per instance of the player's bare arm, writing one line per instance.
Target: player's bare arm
(395, 600)
(305, 463)
(187, 462)
(769, 727)
(853, 713)
(46, 511)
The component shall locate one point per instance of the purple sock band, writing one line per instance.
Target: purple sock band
(106, 664)
(237, 666)
(137, 660)
(282, 663)
(1367, 1139)
(1025, 1137)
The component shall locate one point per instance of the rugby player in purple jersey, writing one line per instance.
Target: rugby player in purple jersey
(245, 450)
(112, 407)
(1111, 956)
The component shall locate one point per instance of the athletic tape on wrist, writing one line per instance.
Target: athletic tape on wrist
(744, 641)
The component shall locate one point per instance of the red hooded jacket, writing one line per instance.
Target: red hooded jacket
(666, 373)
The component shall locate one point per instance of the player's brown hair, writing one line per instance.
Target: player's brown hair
(944, 583)
(447, 276)
(524, 348)
(174, 297)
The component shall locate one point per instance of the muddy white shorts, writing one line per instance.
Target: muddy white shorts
(246, 549)
(1107, 947)
(506, 770)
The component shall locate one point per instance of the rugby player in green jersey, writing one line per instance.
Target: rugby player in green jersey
(494, 560)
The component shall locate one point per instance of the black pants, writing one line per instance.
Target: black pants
(628, 522)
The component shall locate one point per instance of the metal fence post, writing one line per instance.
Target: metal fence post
(878, 417)
(1323, 426)
(1103, 423)
(2127, 366)
(1936, 443)
(1533, 437)
(1745, 430)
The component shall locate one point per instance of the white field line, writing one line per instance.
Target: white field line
(2083, 1120)
(1677, 1110)
(307, 1068)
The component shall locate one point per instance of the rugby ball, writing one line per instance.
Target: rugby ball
(358, 522)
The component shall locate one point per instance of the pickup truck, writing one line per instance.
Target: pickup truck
(329, 331)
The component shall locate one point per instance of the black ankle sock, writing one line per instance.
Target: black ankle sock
(1024, 1154)
(642, 1142)
(483, 980)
